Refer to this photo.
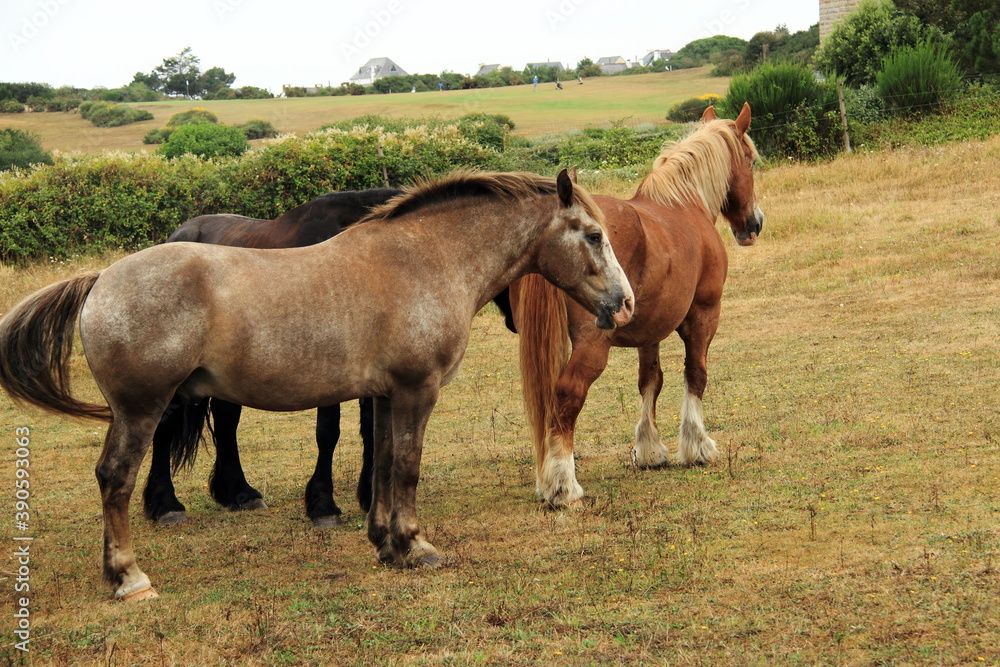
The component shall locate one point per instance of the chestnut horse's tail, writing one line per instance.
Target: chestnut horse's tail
(542, 325)
(36, 341)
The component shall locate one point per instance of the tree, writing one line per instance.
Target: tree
(700, 51)
(586, 67)
(760, 47)
(214, 81)
(176, 75)
(857, 45)
(974, 26)
(780, 45)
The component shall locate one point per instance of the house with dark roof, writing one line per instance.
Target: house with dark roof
(375, 69)
(486, 69)
(656, 54)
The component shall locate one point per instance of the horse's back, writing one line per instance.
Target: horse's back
(218, 229)
(674, 259)
(329, 214)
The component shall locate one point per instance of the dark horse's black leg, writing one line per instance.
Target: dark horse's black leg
(368, 440)
(320, 506)
(228, 484)
(159, 499)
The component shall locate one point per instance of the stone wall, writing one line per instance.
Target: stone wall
(831, 11)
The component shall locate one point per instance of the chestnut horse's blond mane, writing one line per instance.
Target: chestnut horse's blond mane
(469, 183)
(696, 168)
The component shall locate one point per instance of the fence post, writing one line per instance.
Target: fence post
(385, 172)
(843, 115)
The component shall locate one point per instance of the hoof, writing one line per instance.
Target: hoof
(329, 521)
(429, 561)
(144, 594)
(170, 518)
(255, 504)
(651, 458)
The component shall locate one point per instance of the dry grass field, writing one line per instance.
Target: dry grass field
(639, 98)
(853, 518)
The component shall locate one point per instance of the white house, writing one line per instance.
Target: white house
(656, 54)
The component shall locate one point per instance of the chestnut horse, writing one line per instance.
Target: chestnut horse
(666, 240)
(179, 433)
(383, 309)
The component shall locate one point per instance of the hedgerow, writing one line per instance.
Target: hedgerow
(123, 200)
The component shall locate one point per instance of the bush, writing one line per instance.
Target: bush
(60, 104)
(257, 128)
(856, 46)
(100, 203)
(690, 110)
(20, 149)
(205, 140)
(971, 117)
(194, 115)
(11, 106)
(112, 114)
(85, 204)
(158, 136)
(490, 130)
(919, 78)
(863, 105)
(794, 115)
(598, 149)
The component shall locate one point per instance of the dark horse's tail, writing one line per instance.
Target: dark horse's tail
(36, 341)
(183, 423)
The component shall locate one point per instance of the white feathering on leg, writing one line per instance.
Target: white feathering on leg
(558, 485)
(648, 452)
(694, 445)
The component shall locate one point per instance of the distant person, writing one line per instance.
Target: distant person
(413, 90)
(535, 84)
(440, 86)
(579, 79)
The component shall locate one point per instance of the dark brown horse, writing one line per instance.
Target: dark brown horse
(665, 239)
(383, 309)
(178, 435)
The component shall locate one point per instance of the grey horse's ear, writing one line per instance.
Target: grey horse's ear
(564, 188)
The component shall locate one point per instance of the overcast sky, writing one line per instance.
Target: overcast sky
(89, 43)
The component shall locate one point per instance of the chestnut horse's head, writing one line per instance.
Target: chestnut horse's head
(740, 206)
(578, 238)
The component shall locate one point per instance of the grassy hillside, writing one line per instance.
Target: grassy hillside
(640, 98)
(852, 518)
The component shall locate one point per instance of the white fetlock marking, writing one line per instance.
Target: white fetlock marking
(558, 483)
(694, 445)
(648, 452)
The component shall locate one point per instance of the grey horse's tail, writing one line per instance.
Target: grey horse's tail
(36, 341)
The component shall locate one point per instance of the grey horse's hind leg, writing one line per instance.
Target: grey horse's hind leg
(124, 447)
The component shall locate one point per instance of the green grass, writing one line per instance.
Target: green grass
(642, 98)
(851, 519)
